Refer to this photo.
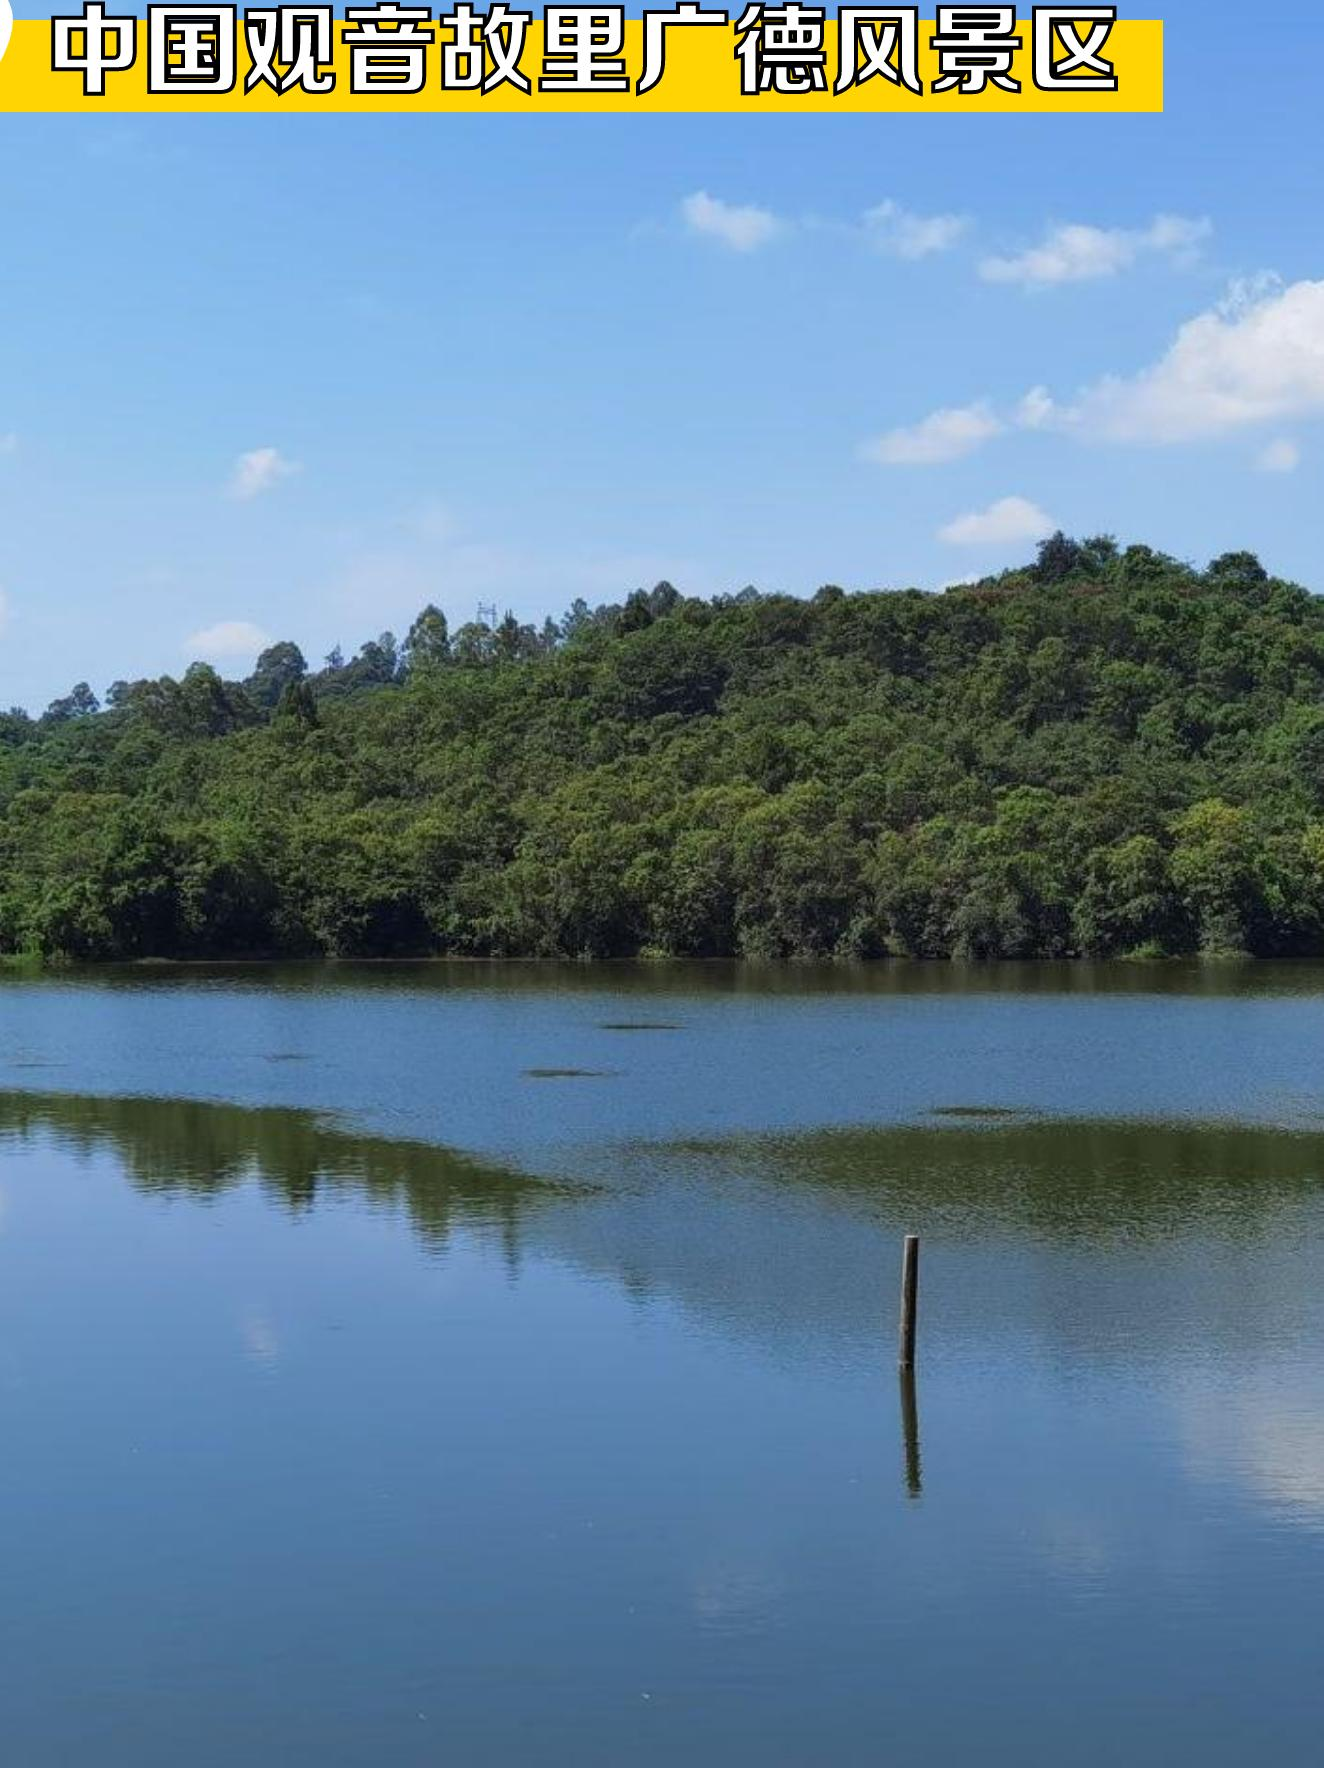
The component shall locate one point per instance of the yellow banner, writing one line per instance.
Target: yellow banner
(172, 60)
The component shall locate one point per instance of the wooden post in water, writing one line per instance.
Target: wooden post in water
(909, 1299)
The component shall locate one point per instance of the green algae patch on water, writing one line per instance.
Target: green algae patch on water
(568, 1073)
(995, 1112)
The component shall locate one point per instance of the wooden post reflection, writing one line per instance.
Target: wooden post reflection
(910, 1434)
(909, 1300)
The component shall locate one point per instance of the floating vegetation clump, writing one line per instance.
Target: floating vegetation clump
(566, 1073)
(976, 1111)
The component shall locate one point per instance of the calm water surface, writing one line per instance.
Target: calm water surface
(482, 1365)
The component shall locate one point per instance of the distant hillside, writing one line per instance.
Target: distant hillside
(1105, 752)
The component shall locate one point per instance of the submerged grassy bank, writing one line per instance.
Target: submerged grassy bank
(1105, 752)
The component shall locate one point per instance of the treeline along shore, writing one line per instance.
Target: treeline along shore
(1106, 752)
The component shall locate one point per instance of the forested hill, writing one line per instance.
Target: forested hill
(1104, 752)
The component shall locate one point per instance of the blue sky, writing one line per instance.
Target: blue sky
(298, 376)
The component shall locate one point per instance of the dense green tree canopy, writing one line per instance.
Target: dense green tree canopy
(279, 667)
(1107, 751)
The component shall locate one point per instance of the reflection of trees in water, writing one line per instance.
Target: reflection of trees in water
(677, 979)
(1198, 1234)
(1062, 1180)
(1100, 1242)
(182, 1146)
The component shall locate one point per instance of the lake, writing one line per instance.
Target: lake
(469, 1364)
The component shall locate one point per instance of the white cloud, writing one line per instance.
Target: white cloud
(1077, 253)
(895, 230)
(1257, 359)
(943, 435)
(1244, 292)
(1281, 456)
(740, 227)
(888, 227)
(227, 641)
(261, 469)
(1036, 409)
(1004, 523)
